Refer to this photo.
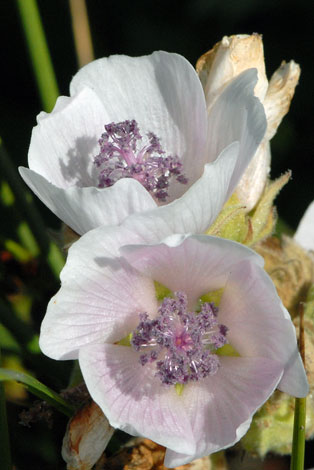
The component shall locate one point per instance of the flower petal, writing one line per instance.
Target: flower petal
(220, 407)
(259, 325)
(193, 264)
(279, 94)
(86, 208)
(237, 115)
(132, 398)
(305, 231)
(65, 141)
(196, 210)
(162, 92)
(257, 171)
(100, 296)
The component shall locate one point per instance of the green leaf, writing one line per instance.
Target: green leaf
(38, 389)
(264, 217)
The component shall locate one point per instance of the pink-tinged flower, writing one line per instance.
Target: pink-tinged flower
(305, 231)
(154, 367)
(135, 135)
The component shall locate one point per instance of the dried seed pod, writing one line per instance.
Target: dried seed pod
(86, 437)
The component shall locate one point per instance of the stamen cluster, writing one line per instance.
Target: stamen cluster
(120, 157)
(182, 343)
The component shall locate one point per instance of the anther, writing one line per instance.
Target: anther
(121, 156)
(181, 343)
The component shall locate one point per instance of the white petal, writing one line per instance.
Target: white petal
(100, 296)
(196, 210)
(86, 208)
(259, 325)
(133, 399)
(193, 264)
(65, 142)
(220, 407)
(279, 94)
(162, 92)
(257, 172)
(237, 115)
(305, 231)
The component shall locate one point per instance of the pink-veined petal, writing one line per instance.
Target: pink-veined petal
(259, 325)
(220, 407)
(194, 264)
(163, 93)
(100, 297)
(133, 399)
(84, 209)
(239, 116)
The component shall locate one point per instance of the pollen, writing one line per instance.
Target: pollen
(180, 343)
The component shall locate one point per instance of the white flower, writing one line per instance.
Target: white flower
(163, 95)
(168, 382)
(219, 66)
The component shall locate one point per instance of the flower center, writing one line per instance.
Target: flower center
(121, 156)
(182, 343)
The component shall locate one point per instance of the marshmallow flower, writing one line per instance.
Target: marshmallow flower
(135, 136)
(158, 365)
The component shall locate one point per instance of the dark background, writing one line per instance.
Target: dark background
(188, 27)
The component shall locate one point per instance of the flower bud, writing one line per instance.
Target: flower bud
(228, 58)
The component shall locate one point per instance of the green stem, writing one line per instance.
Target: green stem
(298, 444)
(5, 455)
(298, 441)
(39, 52)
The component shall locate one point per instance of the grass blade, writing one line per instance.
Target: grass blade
(81, 32)
(38, 389)
(39, 52)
